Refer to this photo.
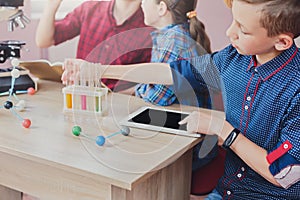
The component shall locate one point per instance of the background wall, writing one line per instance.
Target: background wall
(217, 18)
(213, 13)
(33, 10)
(28, 34)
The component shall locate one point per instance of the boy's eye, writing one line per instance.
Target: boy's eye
(243, 32)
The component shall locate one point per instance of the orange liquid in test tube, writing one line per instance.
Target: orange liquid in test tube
(69, 100)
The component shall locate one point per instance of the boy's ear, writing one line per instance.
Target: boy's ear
(285, 41)
(163, 8)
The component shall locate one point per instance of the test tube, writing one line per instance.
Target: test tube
(69, 101)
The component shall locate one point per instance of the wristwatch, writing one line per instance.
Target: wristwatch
(230, 139)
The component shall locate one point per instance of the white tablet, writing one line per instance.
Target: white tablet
(158, 119)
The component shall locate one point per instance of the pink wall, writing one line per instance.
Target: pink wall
(29, 51)
(217, 18)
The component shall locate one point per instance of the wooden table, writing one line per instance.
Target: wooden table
(47, 161)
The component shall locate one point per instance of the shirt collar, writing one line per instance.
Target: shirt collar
(273, 66)
(111, 8)
(137, 14)
(177, 27)
(162, 30)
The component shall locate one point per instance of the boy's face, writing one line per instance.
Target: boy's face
(246, 33)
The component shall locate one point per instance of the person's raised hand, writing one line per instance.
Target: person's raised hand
(53, 4)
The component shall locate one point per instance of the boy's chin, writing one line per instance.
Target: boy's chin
(240, 51)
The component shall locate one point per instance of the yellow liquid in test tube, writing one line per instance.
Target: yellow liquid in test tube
(69, 100)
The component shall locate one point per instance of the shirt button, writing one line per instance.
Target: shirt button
(285, 146)
(106, 46)
(243, 169)
(248, 98)
(246, 107)
(228, 192)
(239, 175)
(255, 70)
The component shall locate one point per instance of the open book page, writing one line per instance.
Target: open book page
(44, 69)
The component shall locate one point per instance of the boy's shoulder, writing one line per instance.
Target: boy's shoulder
(230, 54)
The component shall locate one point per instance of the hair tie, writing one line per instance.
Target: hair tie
(191, 14)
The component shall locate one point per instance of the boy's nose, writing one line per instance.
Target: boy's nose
(231, 32)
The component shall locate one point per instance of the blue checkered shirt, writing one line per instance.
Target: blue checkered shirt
(170, 43)
(264, 103)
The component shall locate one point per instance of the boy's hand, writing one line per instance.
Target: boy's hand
(207, 123)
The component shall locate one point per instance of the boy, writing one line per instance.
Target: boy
(106, 30)
(261, 80)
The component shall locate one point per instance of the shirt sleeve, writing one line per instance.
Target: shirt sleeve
(284, 159)
(68, 27)
(156, 93)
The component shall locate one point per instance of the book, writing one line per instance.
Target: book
(21, 84)
(44, 69)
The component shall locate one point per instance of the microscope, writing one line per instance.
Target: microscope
(11, 11)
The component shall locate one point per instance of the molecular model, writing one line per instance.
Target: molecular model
(86, 96)
(100, 140)
(19, 104)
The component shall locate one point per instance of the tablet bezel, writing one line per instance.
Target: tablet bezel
(125, 122)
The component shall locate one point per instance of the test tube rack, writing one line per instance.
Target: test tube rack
(85, 99)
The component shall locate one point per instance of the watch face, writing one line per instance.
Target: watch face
(230, 139)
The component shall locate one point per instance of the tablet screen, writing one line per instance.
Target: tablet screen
(160, 118)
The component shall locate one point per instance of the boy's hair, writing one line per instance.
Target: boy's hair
(228, 3)
(179, 10)
(278, 16)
